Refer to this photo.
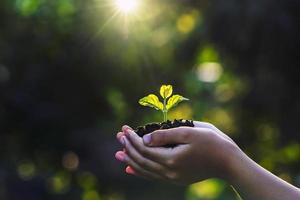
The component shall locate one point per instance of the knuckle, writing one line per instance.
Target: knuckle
(185, 135)
(157, 135)
(171, 163)
(160, 169)
(172, 175)
(162, 138)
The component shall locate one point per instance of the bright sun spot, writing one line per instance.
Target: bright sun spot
(126, 6)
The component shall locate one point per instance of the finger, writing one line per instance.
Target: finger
(199, 124)
(206, 125)
(123, 157)
(130, 170)
(125, 128)
(119, 136)
(180, 135)
(203, 125)
(120, 156)
(158, 154)
(142, 161)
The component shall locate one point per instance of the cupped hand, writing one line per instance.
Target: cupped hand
(201, 152)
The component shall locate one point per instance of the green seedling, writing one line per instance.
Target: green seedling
(169, 101)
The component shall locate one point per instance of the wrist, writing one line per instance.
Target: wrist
(233, 162)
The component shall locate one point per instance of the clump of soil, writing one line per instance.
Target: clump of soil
(148, 128)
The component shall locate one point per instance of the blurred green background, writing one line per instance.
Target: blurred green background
(72, 71)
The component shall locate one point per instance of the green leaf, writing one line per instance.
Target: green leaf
(152, 101)
(166, 91)
(174, 100)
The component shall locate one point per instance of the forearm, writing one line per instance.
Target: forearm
(254, 182)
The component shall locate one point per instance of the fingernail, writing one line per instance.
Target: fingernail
(129, 170)
(126, 129)
(122, 140)
(147, 138)
(120, 156)
(128, 132)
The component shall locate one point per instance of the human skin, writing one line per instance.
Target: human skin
(201, 152)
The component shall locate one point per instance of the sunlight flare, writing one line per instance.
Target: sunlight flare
(126, 6)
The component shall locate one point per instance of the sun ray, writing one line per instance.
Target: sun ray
(127, 10)
(103, 26)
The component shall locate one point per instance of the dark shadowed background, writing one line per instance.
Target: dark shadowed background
(72, 71)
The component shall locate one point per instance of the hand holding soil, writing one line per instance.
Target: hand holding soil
(198, 153)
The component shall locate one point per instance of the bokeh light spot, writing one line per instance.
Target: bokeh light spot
(209, 189)
(117, 102)
(186, 23)
(209, 72)
(183, 111)
(267, 132)
(70, 161)
(27, 7)
(87, 180)
(26, 170)
(160, 37)
(267, 163)
(208, 54)
(292, 153)
(65, 8)
(59, 183)
(224, 92)
(91, 195)
(221, 118)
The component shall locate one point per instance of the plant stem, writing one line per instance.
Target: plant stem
(165, 111)
(165, 116)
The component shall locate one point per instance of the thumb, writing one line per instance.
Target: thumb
(178, 135)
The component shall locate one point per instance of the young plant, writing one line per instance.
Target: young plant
(168, 101)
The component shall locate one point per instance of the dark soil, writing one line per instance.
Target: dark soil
(148, 128)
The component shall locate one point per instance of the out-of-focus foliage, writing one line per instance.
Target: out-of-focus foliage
(72, 71)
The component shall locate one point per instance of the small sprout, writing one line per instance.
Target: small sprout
(169, 101)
